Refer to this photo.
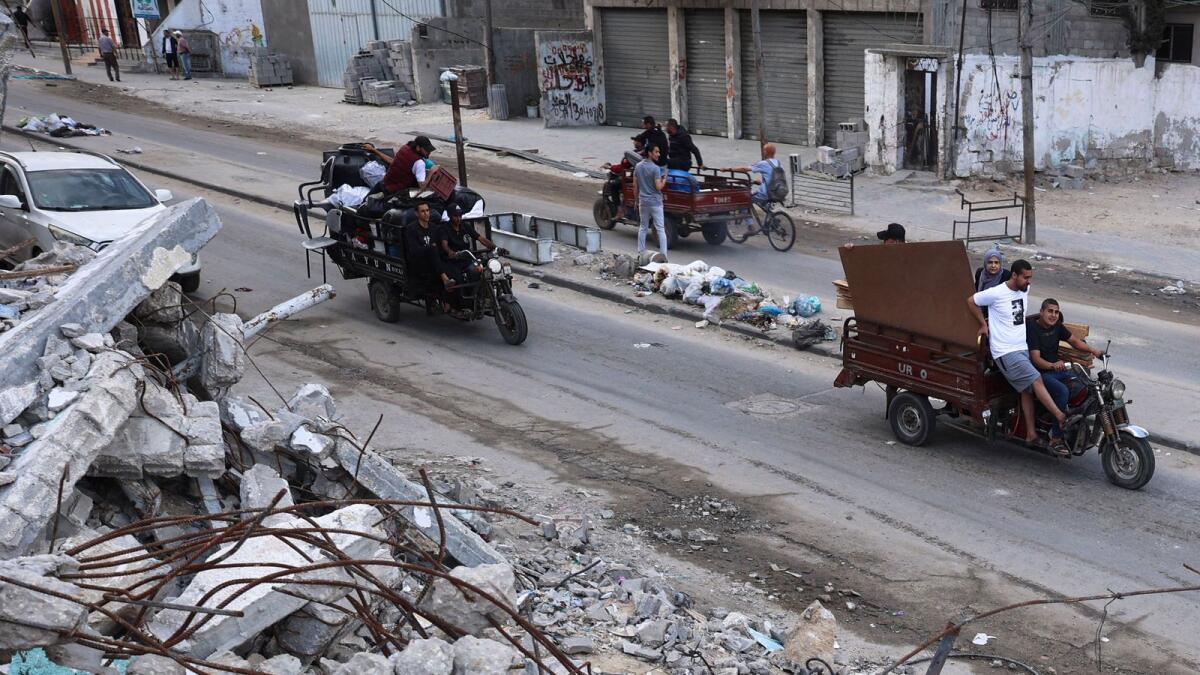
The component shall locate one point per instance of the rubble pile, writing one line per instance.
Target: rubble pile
(59, 126)
(32, 284)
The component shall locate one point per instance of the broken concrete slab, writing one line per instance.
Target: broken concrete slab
(270, 435)
(55, 617)
(467, 611)
(142, 447)
(101, 293)
(380, 478)
(126, 575)
(263, 604)
(473, 656)
(424, 657)
(153, 664)
(364, 663)
(259, 486)
(205, 453)
(313, 401)
(283, 664)
(814, 635)
(14, 400)
(223, 358)
(63, 453)
(163, 305)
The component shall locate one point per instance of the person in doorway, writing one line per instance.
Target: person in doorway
(992, 273)
(170, 50)
(408, 169)
(653, 136)
(1043, 334)
(108, 53)
(764, 169)
(649, 179)
(1005, 329)
(681, 148)
(185, 54)
(21, 18)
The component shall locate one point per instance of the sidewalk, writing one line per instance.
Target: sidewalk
(1148, 223)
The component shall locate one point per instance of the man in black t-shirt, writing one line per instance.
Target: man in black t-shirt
(453, 237)
(1043, 333)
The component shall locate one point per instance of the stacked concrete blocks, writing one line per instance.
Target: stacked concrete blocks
(370, 79)
(268, 69)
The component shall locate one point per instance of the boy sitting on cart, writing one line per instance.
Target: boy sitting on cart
(1004, 326)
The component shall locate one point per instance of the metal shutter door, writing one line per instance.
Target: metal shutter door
(785, 65)
(637, 81)
(847, 36)
(705, 30)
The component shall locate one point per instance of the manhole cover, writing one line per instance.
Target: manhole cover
(770, 405)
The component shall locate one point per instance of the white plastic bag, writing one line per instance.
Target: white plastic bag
(372, 172)
(348, 196)
(692, 293)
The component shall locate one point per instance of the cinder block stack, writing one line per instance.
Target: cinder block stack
(269, 69)
(400, 59)
(370, 79)
(852, 138)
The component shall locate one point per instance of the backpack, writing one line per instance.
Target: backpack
(777, 187)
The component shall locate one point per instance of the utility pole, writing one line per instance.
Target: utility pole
(489, 61)
(1025, 24)
(760, 86)
(458, 136)
(60, 27)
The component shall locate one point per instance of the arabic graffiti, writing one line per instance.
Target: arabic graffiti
(996, 117)
(572, 92)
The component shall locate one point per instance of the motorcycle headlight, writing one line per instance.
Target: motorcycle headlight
(495, 266)
(72, 238)
(1118, 389)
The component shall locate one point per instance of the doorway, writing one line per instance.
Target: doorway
(920, 120)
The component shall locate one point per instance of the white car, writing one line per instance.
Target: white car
(80, 197)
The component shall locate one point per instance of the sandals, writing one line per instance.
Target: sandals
(1059, 448)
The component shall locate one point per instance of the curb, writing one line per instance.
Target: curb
(823, 349)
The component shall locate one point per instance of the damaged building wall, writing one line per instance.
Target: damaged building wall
(1069, 28)
(236, 23)
(1105, 114)
(884, 106)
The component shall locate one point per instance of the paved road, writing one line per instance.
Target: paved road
(924, 531)
(1155, 356)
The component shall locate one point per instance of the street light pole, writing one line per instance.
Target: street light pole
(60, 27)
(1025, 24)
(489, 61)
(759, 80)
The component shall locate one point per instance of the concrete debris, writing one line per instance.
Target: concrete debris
(364, 663)
(461, 607)
(313, 401)
(56, 617)
(474, 656)
(223, 360)
(425, 657)
(153, 664)
(814, 636)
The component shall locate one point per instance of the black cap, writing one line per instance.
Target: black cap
(893, 231)
(454, 210)
(648, 119)
(423, 142)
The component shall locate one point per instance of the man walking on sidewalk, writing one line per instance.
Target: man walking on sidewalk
(185, 54)
(648, 181)
(108, 53)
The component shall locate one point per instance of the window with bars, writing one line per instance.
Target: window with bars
(1177, 43)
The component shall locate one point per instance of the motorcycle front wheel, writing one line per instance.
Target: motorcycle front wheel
(1128, 463)
(510, 319)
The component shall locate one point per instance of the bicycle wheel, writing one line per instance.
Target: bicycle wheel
(738, 229)
(780, 231)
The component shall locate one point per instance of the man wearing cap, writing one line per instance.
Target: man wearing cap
(651, 136)
(894, 234)
(407, 169)
(454, 237)
(108, 53)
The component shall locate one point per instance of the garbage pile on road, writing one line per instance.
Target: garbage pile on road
(153, 521)
(725, 296)
(59, 126)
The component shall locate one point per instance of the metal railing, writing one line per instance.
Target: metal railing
(971, 224)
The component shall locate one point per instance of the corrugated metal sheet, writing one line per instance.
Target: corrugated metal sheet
(847, 37)
(341, 27)
(785, 74)
(637, 81)
(705, 31)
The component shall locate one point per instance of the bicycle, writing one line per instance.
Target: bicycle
(777, 225)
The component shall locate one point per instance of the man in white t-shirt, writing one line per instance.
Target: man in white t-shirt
(1004, 326)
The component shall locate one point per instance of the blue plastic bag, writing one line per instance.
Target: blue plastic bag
(721, 286)
(767, 308)
(806, 306)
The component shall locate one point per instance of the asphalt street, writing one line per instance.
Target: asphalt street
(922, 531)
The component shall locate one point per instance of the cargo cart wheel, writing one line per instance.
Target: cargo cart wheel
(912, 418)
(510, 319)
(1129, 464)
(715, 233)
(602, 213)
(384, 301)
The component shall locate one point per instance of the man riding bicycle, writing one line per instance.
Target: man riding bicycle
(771, 187)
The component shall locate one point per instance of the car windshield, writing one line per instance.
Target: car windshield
(88, 190)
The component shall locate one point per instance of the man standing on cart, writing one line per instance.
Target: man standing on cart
(407, 169)
(1004, 327)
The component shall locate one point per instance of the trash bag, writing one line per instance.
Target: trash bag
(811, 332)
(770, 309)
(670, 287)
(721, 286)
(348, 196)
(806, 306)
(711, 303)
(372, 172)
(692, 293)
(697, 266)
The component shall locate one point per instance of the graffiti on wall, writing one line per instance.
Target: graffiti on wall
(996, 117)
(570, 82)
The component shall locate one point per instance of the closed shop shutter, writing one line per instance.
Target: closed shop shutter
(847, 36)
(785, 66)
(705, 31)
(342, 27)
(637, 81)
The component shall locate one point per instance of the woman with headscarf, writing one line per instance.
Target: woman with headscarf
(992, 273)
